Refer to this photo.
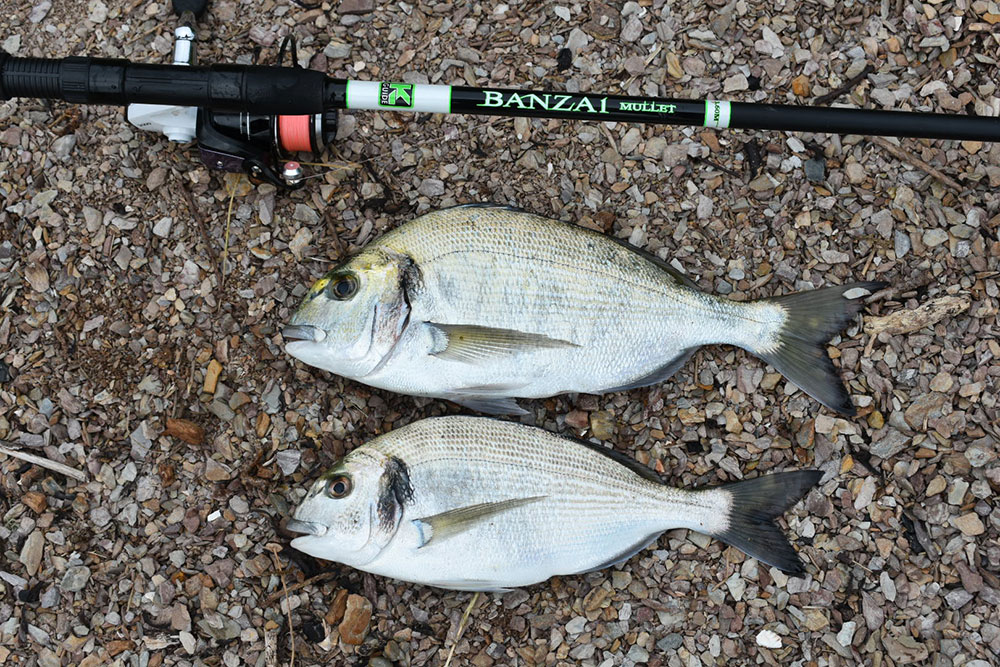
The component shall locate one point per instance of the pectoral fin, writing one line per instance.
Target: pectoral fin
(471, 343)
(448, 524)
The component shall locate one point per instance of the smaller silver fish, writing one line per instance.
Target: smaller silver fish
(472, 503)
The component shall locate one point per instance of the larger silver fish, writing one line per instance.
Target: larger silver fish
(479, 304)
(473, 503)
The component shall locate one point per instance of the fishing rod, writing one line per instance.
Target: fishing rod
(252, 118)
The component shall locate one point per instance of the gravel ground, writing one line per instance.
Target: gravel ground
(119, 310)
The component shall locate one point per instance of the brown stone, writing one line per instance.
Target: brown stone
(337, 607)
(31, 552)
(690, 416)
(117, 646)
(212, 376)
(35, 500)
(926, 407)
(602, 424)
(604, 23)
(972, 147)
(800, 85)
(357, 616)
(263, 424)
(595, 598)
(674, 66)
(356, 6)
(577, 419)
(215, 471)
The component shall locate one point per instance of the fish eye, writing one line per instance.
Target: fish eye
(338, 486)
(342, 287)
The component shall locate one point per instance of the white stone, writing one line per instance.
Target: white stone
(768, 639)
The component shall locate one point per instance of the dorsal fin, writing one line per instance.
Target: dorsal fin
(506, 207)
(616, 456)
(622, 459)
(645, 254)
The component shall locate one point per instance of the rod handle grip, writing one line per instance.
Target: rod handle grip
(29, 77)
(261, 89)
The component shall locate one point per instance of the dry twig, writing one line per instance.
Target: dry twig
(196, 214)
(846, 88)
(302, 584)
(288, 607)
(910, 158)
(49, 464)
(461, 628)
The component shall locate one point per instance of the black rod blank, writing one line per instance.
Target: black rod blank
(293, 90)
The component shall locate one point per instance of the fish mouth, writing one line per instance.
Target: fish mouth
(303, 332)
(306, 527)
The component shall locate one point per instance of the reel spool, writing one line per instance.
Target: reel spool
(261, 144)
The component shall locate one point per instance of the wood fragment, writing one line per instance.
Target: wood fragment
(185, 430)
(846, 88)
(212, 377)
(288, 606)
(925, 315)
(322, 576)
(43, 462)
(897, 289)
(203, 228)
(910, 158)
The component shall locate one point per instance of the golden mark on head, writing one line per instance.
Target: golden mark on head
(318, 287)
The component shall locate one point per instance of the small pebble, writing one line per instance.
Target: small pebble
(75, 579)
(815, 170)
(846, 634)
(31, 552)
(768, 639)
(970, 524)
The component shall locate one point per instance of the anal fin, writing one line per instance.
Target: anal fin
(481, 585)
(490, 405)
(624, 555)
(661, 374)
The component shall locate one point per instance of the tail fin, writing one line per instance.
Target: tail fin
(755, 505)
(813, 318)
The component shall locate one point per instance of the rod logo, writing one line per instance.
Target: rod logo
(544, 102)
(647, 107)
(398, 95)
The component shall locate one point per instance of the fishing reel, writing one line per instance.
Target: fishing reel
(258, 144)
